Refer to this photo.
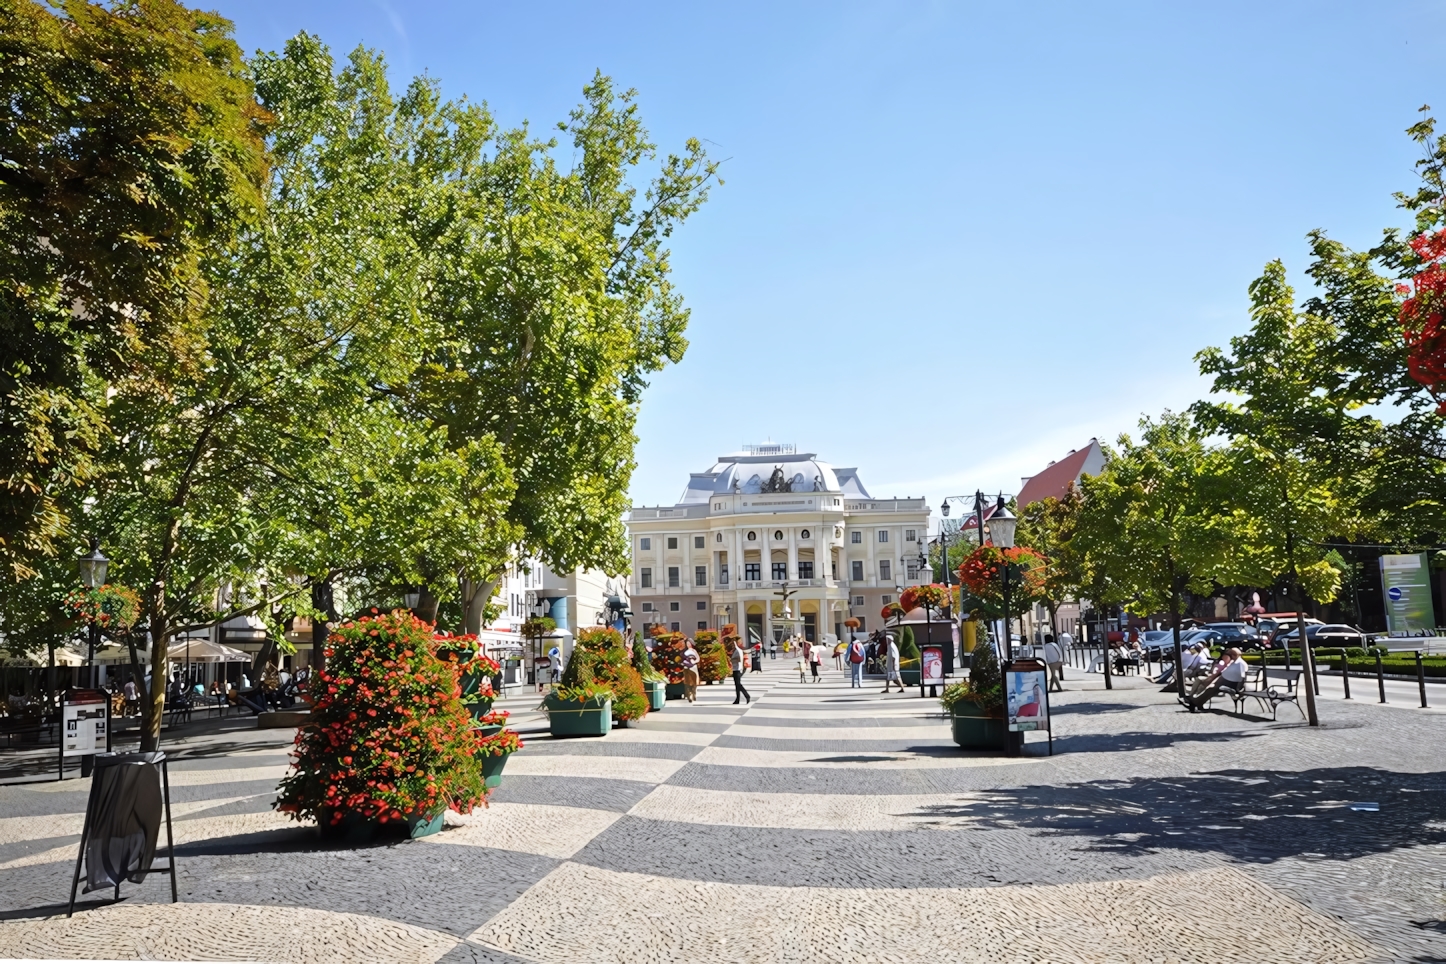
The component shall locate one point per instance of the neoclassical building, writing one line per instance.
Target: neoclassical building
(768, 521)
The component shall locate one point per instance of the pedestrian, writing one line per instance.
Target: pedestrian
(690, 672)
(758, 657)
(773, 649)
(815, 659)
(738, 660)
(891, 664)
(1054, 659)
(856, 664)
(1230, 676)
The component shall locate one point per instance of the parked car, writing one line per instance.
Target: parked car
(1269, 625)
(1328, 634)
(1242, 635)
(1165, 648)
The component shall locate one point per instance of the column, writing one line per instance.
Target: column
(871, 572)
(792, 543)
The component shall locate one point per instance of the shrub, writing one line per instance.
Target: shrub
(643, 663)
(713, 665)
(602, 648)
(908, 649)
(985, 685)
(389, 737)
(667, 655)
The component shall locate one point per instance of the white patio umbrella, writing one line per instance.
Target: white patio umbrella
(204, 651)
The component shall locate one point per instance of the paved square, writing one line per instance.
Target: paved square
(818, 823)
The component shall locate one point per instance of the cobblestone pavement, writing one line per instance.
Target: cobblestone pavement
(818, 822)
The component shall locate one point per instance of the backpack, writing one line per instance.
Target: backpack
(856, 652)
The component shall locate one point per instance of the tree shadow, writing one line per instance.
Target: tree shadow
(1065, 709)
(1118, 742)
(1246, 815)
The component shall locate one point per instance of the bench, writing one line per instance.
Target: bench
(1267, 690)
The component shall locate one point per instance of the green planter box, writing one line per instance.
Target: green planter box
(356, 829)
(674, 691)
(492, 768)
(480, 708)
(657, 693)
(909, 676)
(570, 718)
(974, 731)
(490, 730)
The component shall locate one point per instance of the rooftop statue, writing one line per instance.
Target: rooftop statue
(776, 482)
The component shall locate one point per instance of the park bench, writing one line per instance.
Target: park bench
(1268, 690)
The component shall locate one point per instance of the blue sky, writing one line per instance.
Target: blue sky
(956, 240)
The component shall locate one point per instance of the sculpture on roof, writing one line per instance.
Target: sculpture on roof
(776, 482)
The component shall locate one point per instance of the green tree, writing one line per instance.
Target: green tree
(130, 144)
(1048, 526)
(1157, 521)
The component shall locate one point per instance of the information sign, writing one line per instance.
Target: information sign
(1026, 697)
(1406, 582)
(84, 718)
(932, 661)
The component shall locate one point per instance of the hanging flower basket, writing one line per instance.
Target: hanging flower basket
(108, 606)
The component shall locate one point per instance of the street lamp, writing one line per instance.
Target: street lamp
(93, 567)
(944, 542)
(1001, 530)
(411, 598)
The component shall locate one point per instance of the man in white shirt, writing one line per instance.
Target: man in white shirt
(1231, 676)
(1054, 659)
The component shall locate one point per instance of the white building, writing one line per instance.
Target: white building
(770, 519)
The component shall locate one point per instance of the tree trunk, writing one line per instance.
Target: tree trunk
(155, 703)
(1179, 657)
(322, 600)
(137, 676)
(475, 596)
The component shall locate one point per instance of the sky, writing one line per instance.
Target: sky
(955, 240)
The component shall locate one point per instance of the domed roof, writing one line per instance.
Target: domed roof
(783, 472)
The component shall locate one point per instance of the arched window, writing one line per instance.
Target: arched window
(718, 537)
(803, 534)
(752, 536)
(777, 535)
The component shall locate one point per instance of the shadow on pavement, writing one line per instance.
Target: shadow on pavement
(1117, 742)
(1247, 815)
(1064, 709)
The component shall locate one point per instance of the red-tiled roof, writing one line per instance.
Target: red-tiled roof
(1054, 481)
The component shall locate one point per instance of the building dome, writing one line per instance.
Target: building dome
(776, 468)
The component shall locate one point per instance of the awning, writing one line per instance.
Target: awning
(204, 651)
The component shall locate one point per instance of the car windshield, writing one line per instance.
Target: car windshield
(1156, 635)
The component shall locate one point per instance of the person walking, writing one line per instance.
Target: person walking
(856, 657)
(1054, 659)
(758, 657)
(815, 660)
(891, 664)
(690, 673)
(738, 659)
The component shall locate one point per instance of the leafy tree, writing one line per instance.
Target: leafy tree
(130, 143)
(1048, 527)
(1157, 521)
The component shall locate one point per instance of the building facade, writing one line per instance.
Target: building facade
(766, 522)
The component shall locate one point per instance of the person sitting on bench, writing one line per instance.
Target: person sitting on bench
(1230, 675)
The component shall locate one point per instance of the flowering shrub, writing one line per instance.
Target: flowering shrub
(713, 663)
(500, 743)
(934, 596)
(106, 606)
(985, 685)
(891, 611)
(582, 693)
(389, 736)
(667, 656)
(980, 572)
(600, 657)
(1421, 316)
(643, 663)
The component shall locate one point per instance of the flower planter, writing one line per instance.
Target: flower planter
(657, 691)
(973, 730)
(675, 691)
(571, 718)
(910, 676)
(489, 730)
(480, 708)
(492, 768)
(355, 829)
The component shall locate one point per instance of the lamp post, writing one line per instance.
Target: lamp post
(93, 567)
(1001, 530)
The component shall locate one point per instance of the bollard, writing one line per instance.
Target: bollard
(1346, 673)
(1105, 651)
(1380, 676)
(1421, 677)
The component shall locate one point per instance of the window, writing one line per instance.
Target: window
(647, 543)
(888, 599)
(674, 607)
(856, 538)
(803, 534)
(780, 570)
(883, 536)
(700, 575)
(805, 570)
(856, 570)
(698, 542)
(752, 571)
(646, 577)
(884, 570)
(647, 607)
(718, 537)
(777, 535)
(673, 542)
(702, 604)
(910, 535)
(833, 567)
(913, 570)
(752, 536)
(858, 600)
(723, 575)
(673, 577)
(861, 622)
(673, 627)
(702, 625)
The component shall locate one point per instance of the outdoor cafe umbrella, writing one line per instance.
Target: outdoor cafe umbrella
(204, 651)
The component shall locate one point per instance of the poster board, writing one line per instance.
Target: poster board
(1406, 587)
(1026, 695)
(84, 724)
(931, 662)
